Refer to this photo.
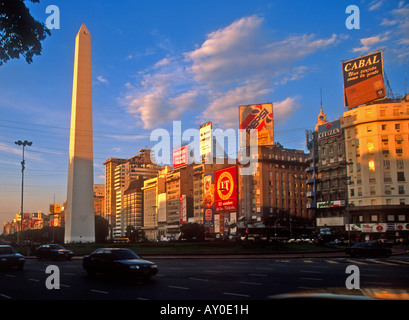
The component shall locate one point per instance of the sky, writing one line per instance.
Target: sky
(157, 62)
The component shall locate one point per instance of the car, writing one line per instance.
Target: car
(10, 258)
(53, 251)
(118, 262)
(368, 249)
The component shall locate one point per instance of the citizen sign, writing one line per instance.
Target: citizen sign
(329, 129)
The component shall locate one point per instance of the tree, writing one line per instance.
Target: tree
(20, 33)
(192, 231)
(101, 229)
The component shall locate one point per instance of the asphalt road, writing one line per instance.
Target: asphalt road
(201, 279)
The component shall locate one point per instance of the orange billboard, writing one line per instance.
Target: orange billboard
(260, 118)
(363, 79)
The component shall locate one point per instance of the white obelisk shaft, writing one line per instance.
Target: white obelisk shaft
(79, 217)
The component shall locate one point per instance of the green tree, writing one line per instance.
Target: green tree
(20, 33)
(101, 229)
(192, 231)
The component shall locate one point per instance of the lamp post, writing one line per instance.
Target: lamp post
(24, 144)
(347, 179)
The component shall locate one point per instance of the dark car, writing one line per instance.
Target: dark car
(10, 258)
(118, 262)
(368, 249)
(53, 251)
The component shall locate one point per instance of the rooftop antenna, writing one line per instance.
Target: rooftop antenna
(406, 79)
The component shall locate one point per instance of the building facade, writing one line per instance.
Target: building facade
(377, 148)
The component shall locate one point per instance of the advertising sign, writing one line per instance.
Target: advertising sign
(180, 157)
(206, 139)
(260, 118)
(377, 227)
(226, 190)
(331, 204)
(329, 130)
(208, 200)
(363, 79)
(183, 209)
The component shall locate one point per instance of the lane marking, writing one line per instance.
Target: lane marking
(236, 294)
(4, 296)
(99, 291)
(176, 287)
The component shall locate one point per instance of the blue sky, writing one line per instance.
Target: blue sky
(155, 62)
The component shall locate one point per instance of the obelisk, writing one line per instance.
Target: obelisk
(79, 216)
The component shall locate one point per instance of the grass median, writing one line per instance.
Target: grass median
(202, 248)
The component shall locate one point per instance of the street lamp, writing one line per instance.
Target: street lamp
(347, 179)
(21, 143)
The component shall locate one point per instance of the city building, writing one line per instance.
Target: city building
(377, 150)
(273, 200)
(326, 175)
(154, 193)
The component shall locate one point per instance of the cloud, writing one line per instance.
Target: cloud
(235, 65)
(242, 51)
(375, 5)
(101, 79)
(284, 109)
(370, 42)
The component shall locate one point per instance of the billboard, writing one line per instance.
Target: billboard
(363, 79)
(259, 117)
(329, 130)
(226, 190)
(208, 200)
(183, 209)
(180, 156)
(206, 139)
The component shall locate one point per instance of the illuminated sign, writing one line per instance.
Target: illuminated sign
(206, 139)
(208, 200)
(226, 190)
(331, 204)
(260, 118)
(363, 79)
(183, 209)
(180, 157)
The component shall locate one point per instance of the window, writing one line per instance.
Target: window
(374, 218)
(384, 127)
(371, 165)
(390, 217)
(369, 129)
(399, 164)
(401, 176)
(397, 126)
(401, 189)
(401, 218)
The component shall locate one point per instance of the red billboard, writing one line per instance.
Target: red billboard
(363, 79)
(180, 157)
(226, 190)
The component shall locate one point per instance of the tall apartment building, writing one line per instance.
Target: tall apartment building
(179, 199)
(276, 194)
(110, 193)
(377, 146)
(119, 175)
(154, 200)
(326, 175)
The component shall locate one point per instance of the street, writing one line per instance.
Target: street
(203, 279)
